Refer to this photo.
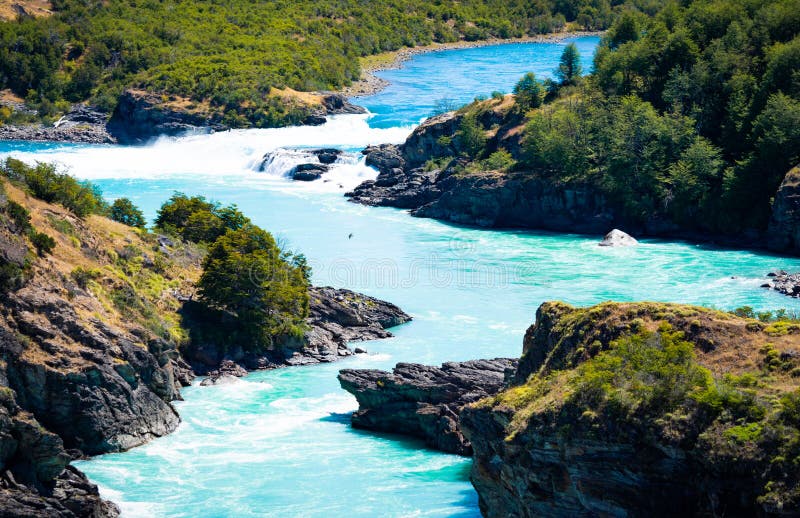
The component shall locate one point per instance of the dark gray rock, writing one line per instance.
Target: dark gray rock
(35, 478)
(141, 116)
(308, 172)
(335, 104)
(337, 317)
(227, 371)
(785, 283)
(424, 401)
(784, 227)
(327, 155)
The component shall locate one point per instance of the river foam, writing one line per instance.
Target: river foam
(227, 154)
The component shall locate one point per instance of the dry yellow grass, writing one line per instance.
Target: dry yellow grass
(11, 9)
(93, 244)
(307, 98)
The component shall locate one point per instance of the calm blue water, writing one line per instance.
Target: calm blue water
(278, 443)
(456, 77)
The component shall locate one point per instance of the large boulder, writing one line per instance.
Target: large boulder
(618, 238)
(308, 172)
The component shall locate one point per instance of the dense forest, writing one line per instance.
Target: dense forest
(232, 54)
(690, 120)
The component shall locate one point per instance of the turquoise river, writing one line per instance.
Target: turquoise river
(279, 443)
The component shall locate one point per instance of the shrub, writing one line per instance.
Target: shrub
(471, 136)
(124, 211)
(529, 92)
(20, 216)
(500, 160)
(44, 183)
(43, 243)
(82, 276)
(198, 220)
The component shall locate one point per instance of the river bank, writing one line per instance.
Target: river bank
(370, 84)
(142, 116)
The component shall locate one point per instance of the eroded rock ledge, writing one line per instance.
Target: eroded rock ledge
(424, 401)
(337, 317)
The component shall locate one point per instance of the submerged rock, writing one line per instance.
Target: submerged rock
(424, 401)
(618, 238)
(327, 155)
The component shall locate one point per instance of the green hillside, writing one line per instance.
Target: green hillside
(231, 54)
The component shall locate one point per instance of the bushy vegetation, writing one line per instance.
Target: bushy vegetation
(231, 55)
(198, 220)
(246, 275)
(45, 183)
(124, 211)
(252, 293)
(690, 120)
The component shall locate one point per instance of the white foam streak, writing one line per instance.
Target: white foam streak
(230, 153)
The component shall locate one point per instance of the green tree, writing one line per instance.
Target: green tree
(198, 220)
(529, 92)
(246, 275)
(124, 211)
(471, 136)
(569, 69)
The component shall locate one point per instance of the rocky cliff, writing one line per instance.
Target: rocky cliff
(423, 401)
(89, 345)
(643, 410)
(141, 116)
(784, 225)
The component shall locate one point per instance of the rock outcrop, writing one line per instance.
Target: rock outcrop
(141, 116)
(785, 283)
(784, 226)
(227, 372)
(618, 238)
(86, 362)
(568, 440)
(81, 124)
(337, 317)
(423, 401)
(485, 199)
(337, 104)
(35, 477)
